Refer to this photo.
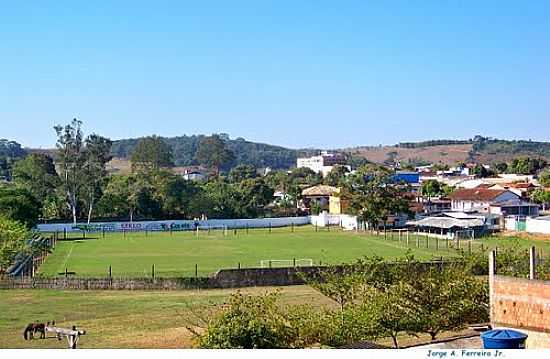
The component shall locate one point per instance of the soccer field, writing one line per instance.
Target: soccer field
(176, 254)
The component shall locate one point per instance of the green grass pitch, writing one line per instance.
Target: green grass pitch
(176, 254)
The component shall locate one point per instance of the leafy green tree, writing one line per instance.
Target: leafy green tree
(374, 196)
(481, 171)
(150, 154)
(340, 284)
(305, 176)
(541, 196)
(96, 156)
(392, 311)
(254, 195)
(13, 240)
(527, 165)
(129, 196)
(241, 173)
(431, 188)
(501, 167)
(544, 178)
(19, 205)
(175, 194)
(337, 176)
(447, 299)
(37, 174)
(249, 322)
(70, 157)
(213, 152)
(221, 199)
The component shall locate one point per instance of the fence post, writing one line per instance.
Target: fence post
(427, 241)
(196, 271)
(447, 242)
(66, 272)
(269, 263)
(532, 263)
(153, 271)
(292, 227)
(247, 228)
(294, 262)
(269, 227)
(124, 233)
(437, 243)
(65, 233)
(110, 272)
(239, 265)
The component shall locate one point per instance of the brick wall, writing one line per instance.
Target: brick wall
(522, 304)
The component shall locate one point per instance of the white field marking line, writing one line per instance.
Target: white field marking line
(63, 266)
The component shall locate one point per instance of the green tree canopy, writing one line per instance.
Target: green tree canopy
(19, 204)
(374, 196)
(13, 240)
(37, 174)
(241, 173)
(151, 153)
(213, 152)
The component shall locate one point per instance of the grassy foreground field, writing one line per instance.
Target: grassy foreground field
(176, 254)
(120, 319)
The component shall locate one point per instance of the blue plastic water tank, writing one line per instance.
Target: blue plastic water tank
(503, 339)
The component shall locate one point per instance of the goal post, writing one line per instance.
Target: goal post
(206, 230)
(282, 263)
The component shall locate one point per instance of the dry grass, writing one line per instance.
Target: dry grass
(447, 154)
(122, 319)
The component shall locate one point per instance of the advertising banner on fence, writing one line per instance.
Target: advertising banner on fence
(173, 225)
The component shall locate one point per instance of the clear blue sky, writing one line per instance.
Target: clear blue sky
(295, 73)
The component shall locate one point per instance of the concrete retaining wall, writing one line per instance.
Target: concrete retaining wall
(225, 278)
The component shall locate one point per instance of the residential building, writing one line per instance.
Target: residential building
(478, 199)
(339, 202)
(192, 173)
(317, 196)
(323, 163)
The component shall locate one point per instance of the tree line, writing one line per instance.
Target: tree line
(373, 299)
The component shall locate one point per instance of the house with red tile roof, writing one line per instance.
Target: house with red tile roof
(471, 199)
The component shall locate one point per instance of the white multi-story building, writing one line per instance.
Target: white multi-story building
(323, 163)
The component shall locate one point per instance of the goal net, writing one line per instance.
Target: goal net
(464, 234)
(210, 230)
(281, 263)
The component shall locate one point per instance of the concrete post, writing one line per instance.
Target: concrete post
(492, 270)
(532, 263)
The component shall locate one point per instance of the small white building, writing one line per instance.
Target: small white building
(323, 163)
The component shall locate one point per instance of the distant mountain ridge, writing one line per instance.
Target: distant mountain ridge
(261, 155)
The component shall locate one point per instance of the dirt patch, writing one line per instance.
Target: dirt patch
(528, 236)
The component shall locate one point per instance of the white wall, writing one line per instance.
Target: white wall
(345, 221)
(176, 225)
(534, 225)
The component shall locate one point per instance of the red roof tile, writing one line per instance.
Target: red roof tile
(476, 194)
